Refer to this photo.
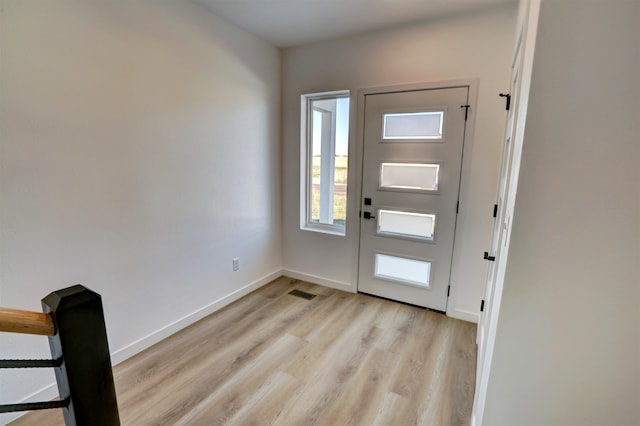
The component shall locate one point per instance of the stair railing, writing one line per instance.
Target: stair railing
(73, 320)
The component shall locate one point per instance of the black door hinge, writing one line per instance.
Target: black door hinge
(457, 207)
(448, 291)
(508, 96)
(482, 306)
(466, 111)
(495, 210)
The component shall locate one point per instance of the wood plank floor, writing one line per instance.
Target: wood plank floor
(274, 359)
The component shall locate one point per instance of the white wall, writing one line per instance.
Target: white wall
(139, 153)
(470, 46)
(567, 348)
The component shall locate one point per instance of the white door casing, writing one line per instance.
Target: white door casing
(410, 189)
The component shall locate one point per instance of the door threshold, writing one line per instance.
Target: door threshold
(403, 303)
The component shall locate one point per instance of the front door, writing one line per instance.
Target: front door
(413, 143)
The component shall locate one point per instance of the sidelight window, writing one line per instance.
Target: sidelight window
(324, 161)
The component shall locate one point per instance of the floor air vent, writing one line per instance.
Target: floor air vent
(302, 294)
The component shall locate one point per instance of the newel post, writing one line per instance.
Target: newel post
(85, 376)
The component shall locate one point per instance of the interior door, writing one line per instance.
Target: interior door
(413, 143)
(522, 66)
(502, 216)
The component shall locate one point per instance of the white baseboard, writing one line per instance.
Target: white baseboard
(463, 315)
(172, 328)
(313, 279)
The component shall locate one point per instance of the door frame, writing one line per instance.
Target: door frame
(526, 33)
(469, 133)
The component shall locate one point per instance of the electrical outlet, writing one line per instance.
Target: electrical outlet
(236, 263)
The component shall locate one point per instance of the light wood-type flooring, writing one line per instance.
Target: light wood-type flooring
(274, 359)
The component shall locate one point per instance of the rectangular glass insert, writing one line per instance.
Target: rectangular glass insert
(414, 176)
(401, 269)
(413, 125)
(406, 224)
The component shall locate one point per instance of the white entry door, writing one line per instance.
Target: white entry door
(413, 142)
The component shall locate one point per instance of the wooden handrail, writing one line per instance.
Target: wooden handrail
(26, 322)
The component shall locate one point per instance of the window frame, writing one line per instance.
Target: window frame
(306, 161)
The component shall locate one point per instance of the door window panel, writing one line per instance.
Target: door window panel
(402, 269)
(413, 125)
(413, 176)
(406, 224)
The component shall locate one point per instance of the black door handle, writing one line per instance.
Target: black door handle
(367, 215)
(489, 258)
(508, 96)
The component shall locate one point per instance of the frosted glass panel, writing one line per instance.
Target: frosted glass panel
(401, 269)
(413, 125)
(409, 176)
(417, 225)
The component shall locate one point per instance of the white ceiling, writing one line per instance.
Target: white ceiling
(286, 23)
